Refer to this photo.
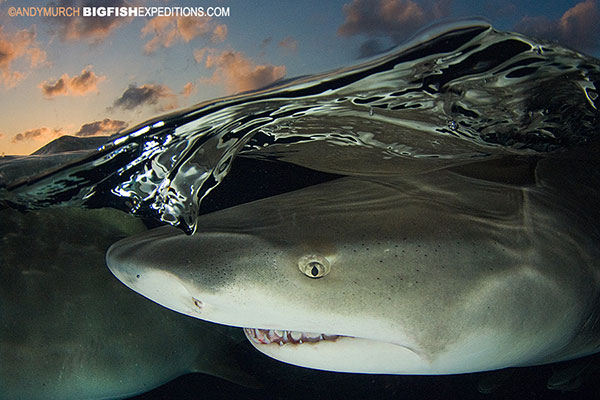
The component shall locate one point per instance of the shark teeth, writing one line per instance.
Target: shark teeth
(281, 337)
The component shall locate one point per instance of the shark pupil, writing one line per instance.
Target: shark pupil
(314, 271)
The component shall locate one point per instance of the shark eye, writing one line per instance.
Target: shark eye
(314, 266)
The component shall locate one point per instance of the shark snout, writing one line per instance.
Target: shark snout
(157, 284)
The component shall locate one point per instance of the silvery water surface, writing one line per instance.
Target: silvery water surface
(451, 97)
(458, 96)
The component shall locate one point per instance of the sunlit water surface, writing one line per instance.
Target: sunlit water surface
(449, 97)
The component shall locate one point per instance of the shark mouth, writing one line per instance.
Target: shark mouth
(281, 337)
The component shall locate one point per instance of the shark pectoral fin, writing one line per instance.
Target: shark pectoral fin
(491, 381)
(223, 359)
(570, 375)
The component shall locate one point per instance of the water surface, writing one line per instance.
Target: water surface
(461, 94)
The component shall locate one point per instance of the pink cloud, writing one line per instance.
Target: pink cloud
(77, 85)
(578, 27)
(289, 43)
(40, 134)
(236, 71)
(169, 30)
(21, 45)
(219, 33)
(397, 19)
(189, 89)
(192, 27)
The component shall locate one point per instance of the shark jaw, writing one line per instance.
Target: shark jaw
(337, 353)
(282, 337)
(329, 352)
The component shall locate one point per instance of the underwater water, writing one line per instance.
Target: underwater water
(490, 105)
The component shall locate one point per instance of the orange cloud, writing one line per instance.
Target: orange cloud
(189, 89)
(236, 72)
(40, 134)
(169, 30)
(136, 96)
(289, 43)
(92, 29)
(18, 46)
(397, 19)
(219, 33)
(105, 127)
(579, 26)
(78, 85)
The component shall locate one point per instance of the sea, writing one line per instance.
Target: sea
(460, 96)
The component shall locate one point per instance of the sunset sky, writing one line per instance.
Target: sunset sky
(88, 76)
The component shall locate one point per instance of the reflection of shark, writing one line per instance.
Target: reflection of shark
(440, 274)
(69, 330)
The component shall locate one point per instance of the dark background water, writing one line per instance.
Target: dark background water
(287, 382)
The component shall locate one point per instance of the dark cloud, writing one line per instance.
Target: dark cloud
(106, 127)
(136, 96)
(397, 19)
(579, 27)
(57, 88)
(265, 42)
(97, 128)
(370, 47)
(78, 85)
(40, 134)
(92, 29)
(497, 9)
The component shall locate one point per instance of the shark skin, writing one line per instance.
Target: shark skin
(70, 330)
(440, 273)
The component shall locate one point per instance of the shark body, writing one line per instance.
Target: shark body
(69, 330)
(433, 274)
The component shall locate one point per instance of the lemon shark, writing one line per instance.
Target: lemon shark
(439, 273)
(70, 330)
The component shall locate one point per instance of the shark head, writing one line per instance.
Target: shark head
(363, 276)
(297, 305)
